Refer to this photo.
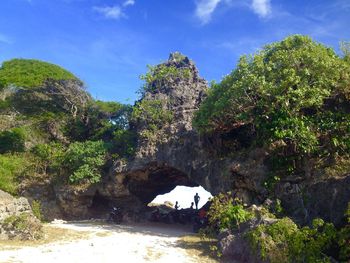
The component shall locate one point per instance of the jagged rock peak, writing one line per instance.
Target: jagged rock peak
(177, 74)
(178, 83)
(178, 57)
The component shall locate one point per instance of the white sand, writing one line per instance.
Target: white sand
(109, 243)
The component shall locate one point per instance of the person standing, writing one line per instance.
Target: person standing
(196, 200)
(177, 205)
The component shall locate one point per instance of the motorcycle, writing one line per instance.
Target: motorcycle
(115, 215)
(158, 216)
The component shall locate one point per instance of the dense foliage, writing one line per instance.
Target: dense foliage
(29, 73)
(80, 162)
(12, 140)
(154, 114)
(283, 241)
(84, 160)
(12, 168)
(275, 239)
(293, 96)
(110, 122)
(226, 213)
(109, 107)
(50, 127)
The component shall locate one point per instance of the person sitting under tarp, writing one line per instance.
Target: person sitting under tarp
(191, 205)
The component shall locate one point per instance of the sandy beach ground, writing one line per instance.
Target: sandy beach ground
(99, 242)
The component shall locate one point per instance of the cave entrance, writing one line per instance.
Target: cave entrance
(157, 180)
(100, 205)
(184, 195)
(159, 183)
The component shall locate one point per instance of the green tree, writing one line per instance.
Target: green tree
(293, 93)
(109, 107)
(84, 160)
(153, 114)
(29, 73)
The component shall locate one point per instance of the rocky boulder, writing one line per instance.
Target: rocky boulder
(12, 206)
(326, 198)
(17, 220)
(234, 245)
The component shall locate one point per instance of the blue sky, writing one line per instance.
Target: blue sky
(108, 43)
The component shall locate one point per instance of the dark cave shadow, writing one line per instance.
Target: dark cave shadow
(146, 228)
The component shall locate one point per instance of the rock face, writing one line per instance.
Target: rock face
(176, 154)
(235, 246)
(23, 224)
(183, 157)
(12, 206)
(179, 157)
(326, 199)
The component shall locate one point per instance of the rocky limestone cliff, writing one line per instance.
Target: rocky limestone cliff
(186, 158)
(176, 154)
(182, 156)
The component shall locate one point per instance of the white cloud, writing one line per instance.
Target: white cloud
(5, 39)
(205, 8)
(110, 12)
(114, 12)
(129, 2)
(261, 7)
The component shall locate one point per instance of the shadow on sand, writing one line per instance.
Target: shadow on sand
(153, 229)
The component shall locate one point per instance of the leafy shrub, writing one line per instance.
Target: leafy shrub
(12, 167)
(227, 213)
(29, 73)
(283, 241)
(154, 114)
(12, 140)
(83, 161)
